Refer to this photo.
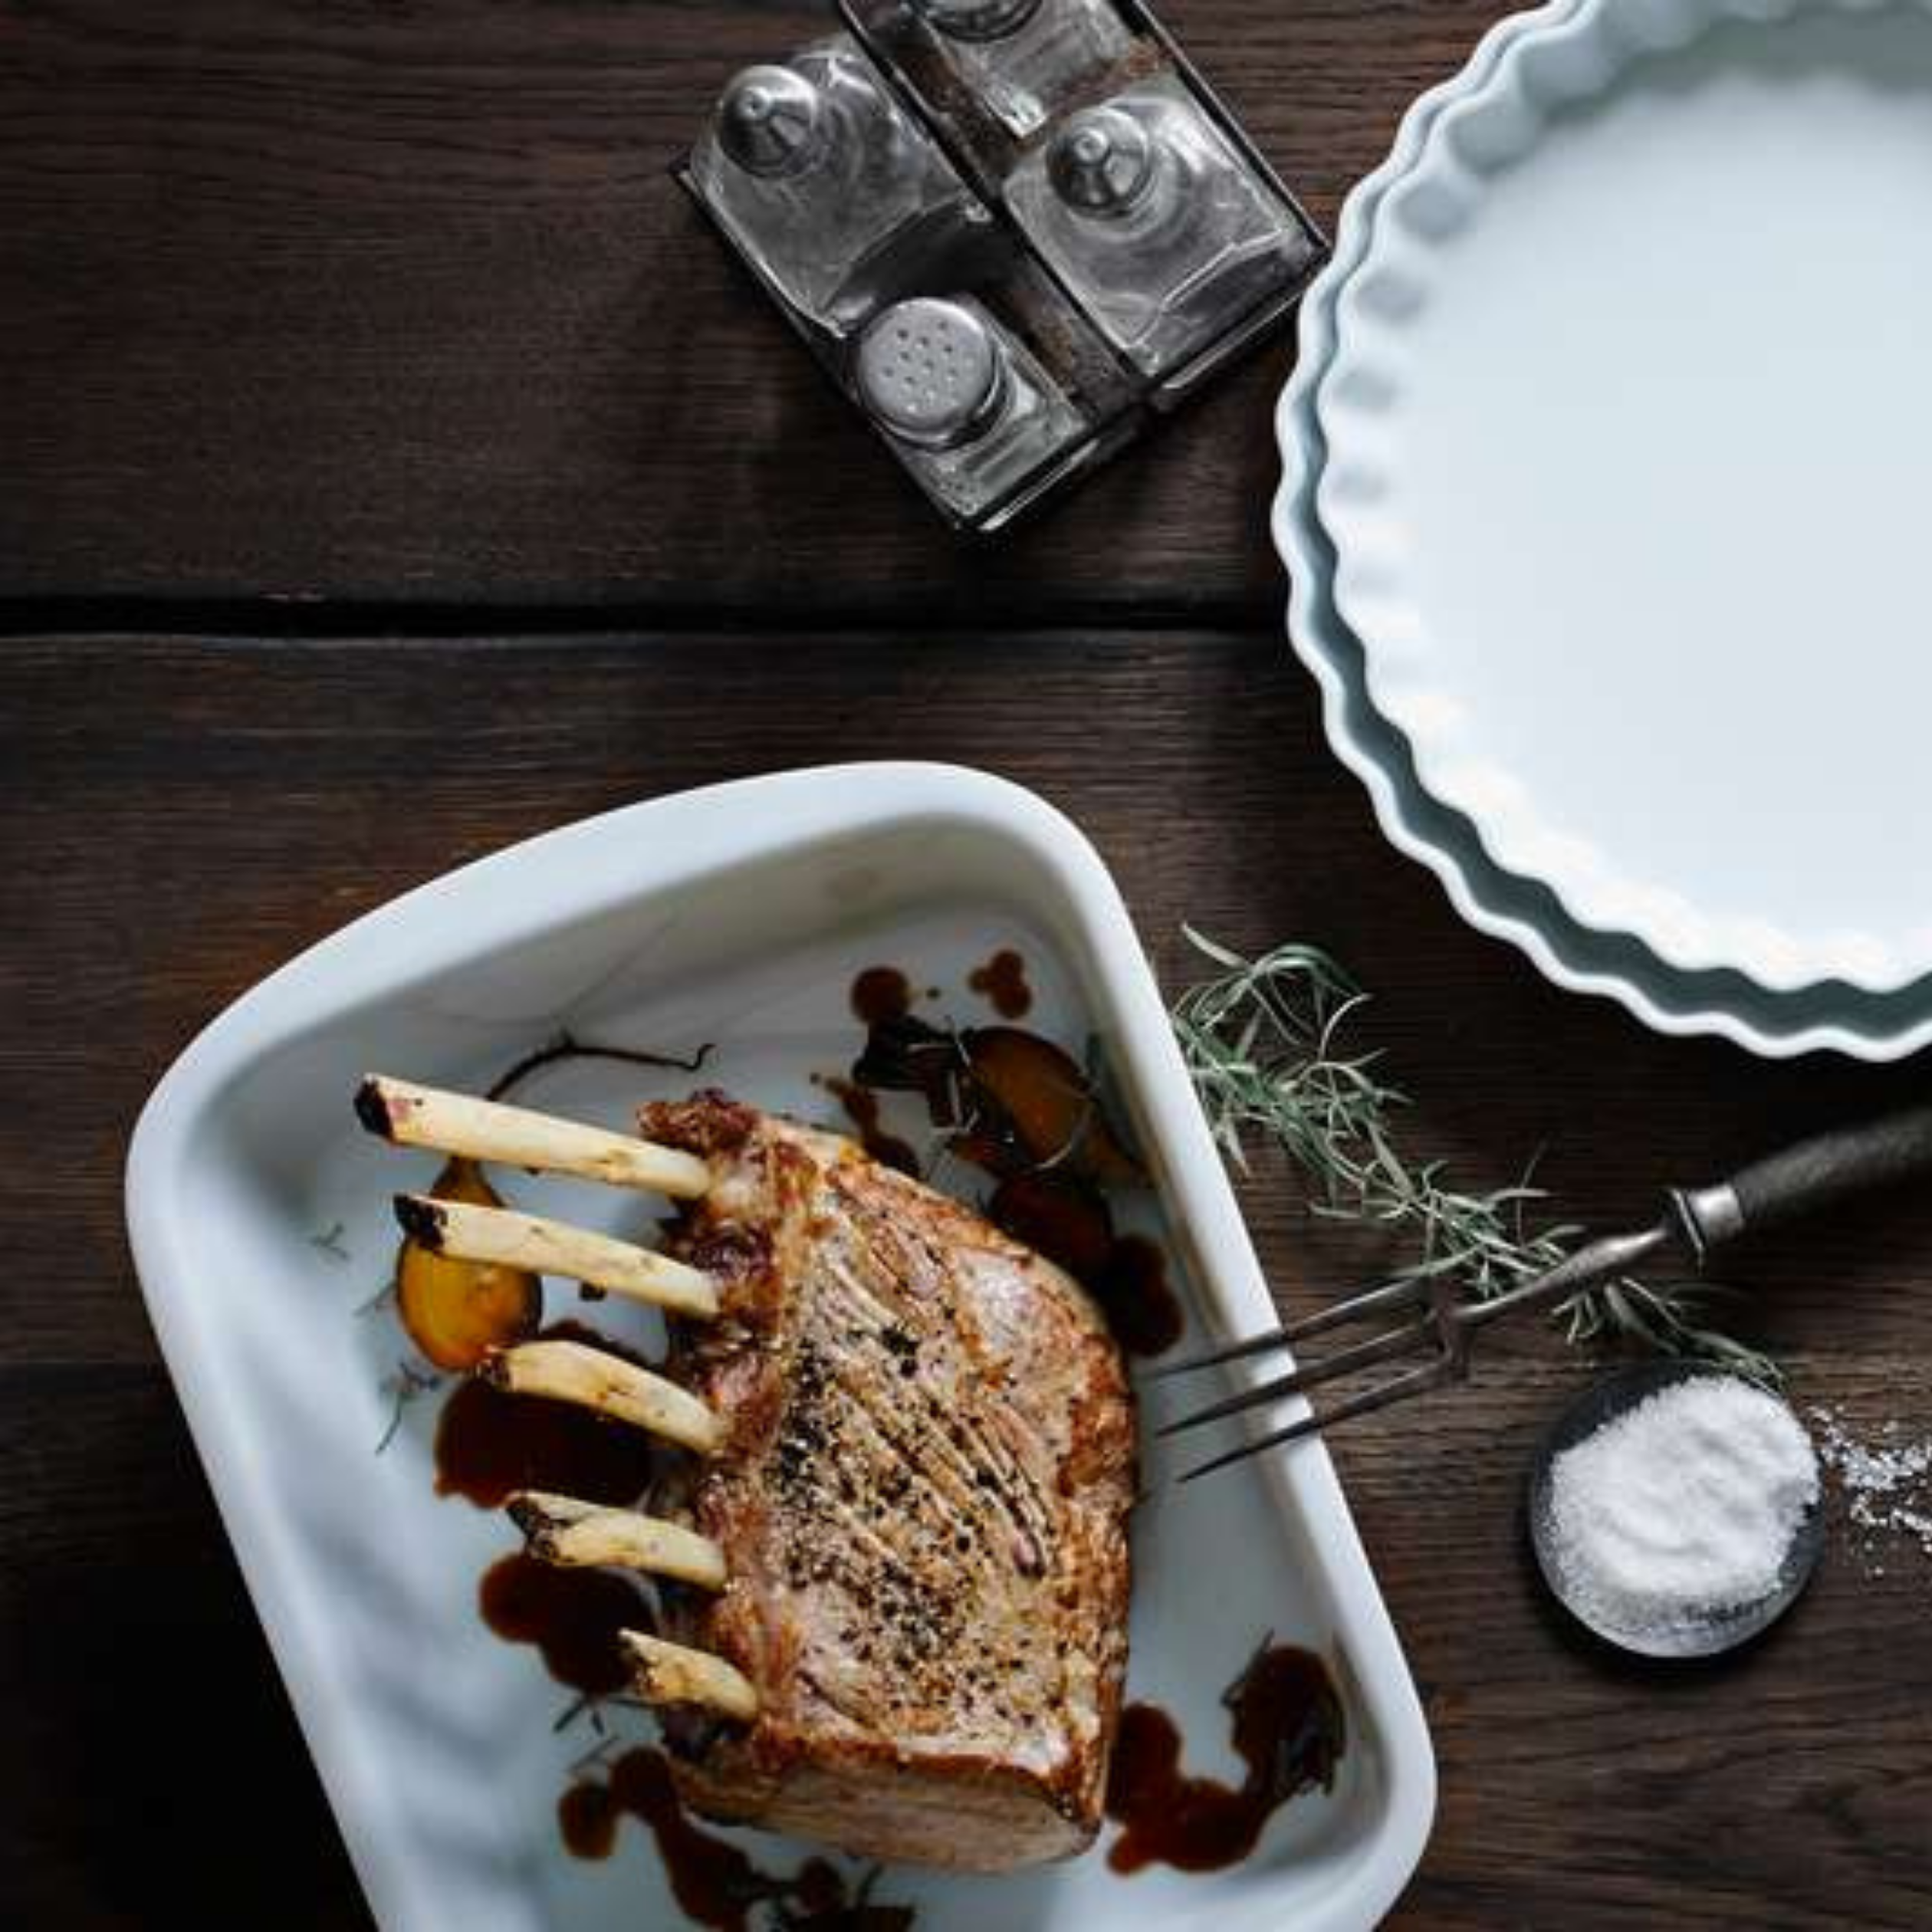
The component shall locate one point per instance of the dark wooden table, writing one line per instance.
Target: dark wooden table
(390, 469)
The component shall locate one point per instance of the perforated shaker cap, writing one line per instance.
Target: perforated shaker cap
(977, 20)
(932, 372)
(1102, 162)
(770, 120)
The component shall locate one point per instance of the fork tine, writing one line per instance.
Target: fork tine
(1364, 1355)
(1390, 1295)
(1396, 1389)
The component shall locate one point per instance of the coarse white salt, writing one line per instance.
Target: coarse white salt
(1888, 1485)
(1681, 1509)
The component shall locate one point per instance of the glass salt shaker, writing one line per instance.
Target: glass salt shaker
(1146, 211)
(966, 404)
(824, 181)
(1021, 58)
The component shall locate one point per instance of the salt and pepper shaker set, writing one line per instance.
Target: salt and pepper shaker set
(1011, 230)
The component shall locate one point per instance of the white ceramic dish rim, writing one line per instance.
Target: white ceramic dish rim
(1557, 56)
(1521, 911)
(612, 860)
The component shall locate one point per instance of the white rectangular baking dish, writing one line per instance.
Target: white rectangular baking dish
(737, 915)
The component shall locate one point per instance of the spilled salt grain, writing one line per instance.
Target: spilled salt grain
(1887, 1487)
(1681, 1509)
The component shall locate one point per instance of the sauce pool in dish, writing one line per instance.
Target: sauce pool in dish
(1289, 1730)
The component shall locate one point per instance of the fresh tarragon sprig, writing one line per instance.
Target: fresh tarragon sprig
(1263, 1041)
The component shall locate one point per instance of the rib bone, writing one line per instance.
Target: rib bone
(486, 1130)
(467, 1232)
(563, 1530)
(568, 1372)
(668, 1673)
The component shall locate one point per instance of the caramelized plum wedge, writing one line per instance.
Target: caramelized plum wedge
(1012, 1102)
(1048, 1101)
(457, 1311)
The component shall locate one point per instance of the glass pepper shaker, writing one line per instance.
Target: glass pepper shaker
(1149, 214)
(823, 180)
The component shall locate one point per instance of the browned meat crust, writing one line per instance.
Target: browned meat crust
(922, 1504)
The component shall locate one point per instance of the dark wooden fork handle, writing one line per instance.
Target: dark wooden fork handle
(1815, 1173)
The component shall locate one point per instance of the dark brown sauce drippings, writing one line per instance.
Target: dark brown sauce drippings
(587, 1816)
(1067, 1223)
(1134, 1295)
(1126, 1274)
(715, 1884)
(572, 1616)
(1001, 982)
(862, 1106)
(880, 994)
(1289, 1730)
(490, 1443)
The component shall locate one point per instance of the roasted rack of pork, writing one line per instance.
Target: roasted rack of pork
(893, 1560)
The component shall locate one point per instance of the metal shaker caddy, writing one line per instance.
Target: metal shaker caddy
(1013, 232)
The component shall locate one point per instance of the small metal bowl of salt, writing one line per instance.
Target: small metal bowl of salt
(1675, 1510)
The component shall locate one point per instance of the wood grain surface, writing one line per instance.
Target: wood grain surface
(183, 814)
(399, 303)
(391, 468)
